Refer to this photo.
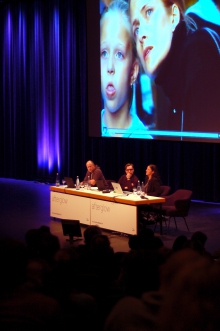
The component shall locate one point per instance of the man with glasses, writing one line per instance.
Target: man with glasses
(129, 180)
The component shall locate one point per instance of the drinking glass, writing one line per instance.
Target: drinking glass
(139, 191)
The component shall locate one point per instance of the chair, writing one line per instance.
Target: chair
(151, 217)
(165, 190)
(177, 205)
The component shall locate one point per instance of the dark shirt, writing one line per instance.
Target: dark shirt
(128, 184)
(152, 187)
(96, 174)
(189, 77)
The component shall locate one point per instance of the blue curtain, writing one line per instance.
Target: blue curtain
(43, 108)
(42, 90)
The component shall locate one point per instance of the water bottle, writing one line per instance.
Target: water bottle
(138, 188)
(77, 183)
(88, 184)
(57, 179)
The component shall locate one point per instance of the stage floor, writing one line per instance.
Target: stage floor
(25, 205)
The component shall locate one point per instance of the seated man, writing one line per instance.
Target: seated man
(93, 173)
(129, 180)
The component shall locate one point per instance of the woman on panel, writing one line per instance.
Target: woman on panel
(153, 181)
(183, 61)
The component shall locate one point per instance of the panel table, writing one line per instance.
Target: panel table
(91, 207)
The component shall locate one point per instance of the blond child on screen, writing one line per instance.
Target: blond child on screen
(119, 71)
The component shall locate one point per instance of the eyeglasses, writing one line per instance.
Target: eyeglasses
(129, 169)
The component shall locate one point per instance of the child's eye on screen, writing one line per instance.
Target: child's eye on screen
(149, 12)
(104, 54)
(119, 55)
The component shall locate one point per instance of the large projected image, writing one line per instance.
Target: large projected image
(159, 70)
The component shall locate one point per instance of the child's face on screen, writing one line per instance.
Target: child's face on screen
(116, 62)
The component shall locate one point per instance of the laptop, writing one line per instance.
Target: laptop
(69, 182)
(100, 184)
(118, 189)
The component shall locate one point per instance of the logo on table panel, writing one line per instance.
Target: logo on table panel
(102, 208)
(59, 200)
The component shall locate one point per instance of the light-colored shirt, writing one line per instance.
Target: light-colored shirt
(136, 129)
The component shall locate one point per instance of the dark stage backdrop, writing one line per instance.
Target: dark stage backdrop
(43, 108)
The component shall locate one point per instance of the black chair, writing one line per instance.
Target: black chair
(177, 205)
(151, 216)
(165, 190)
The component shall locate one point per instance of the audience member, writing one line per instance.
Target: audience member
(102, 256)
(139, 277)
(13, 261)
(63, 282)
(139, 272)
(41, 243)
(89, 233)
(179, 243)
(194, 245)
(48, 246)
(145, 239)
(23, 307)
(98, 266)
(187, 275)
(84, 249)
(134, 242)
(191, 293)
(200, 236)
(99, 274)
(135, 290)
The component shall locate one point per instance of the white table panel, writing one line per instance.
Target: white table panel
(114, 216)
(66, 206)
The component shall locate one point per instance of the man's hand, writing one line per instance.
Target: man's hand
(92, 182)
